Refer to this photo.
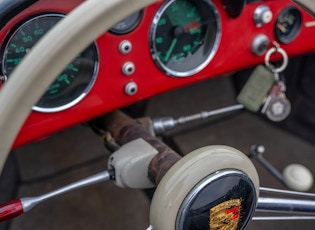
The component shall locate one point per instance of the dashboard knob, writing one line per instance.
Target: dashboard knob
(260, 44)
(262, 15)
(131, 88)
(298, 177)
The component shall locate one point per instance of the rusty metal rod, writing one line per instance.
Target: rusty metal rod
(125, 129)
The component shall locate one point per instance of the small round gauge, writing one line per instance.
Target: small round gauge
(288, 24)
(128, 24)
(184, 36)
(72, 84)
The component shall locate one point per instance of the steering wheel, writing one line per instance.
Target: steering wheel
(50, 56)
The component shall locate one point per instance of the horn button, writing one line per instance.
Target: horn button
(223, 200)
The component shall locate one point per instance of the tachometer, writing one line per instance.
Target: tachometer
(72, 84)
(184, 36)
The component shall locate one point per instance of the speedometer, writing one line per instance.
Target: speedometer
(184, 36)
(72, 84)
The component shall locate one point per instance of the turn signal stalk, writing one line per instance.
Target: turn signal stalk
(17, 207)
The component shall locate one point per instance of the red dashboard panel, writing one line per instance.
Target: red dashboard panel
(108, 93)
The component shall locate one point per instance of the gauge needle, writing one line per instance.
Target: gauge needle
(193, 25)
(281, 27)
(170, 50)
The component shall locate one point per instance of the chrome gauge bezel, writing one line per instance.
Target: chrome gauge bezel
(212, 49)
(134, 23)
(78, 98)
(295, 28)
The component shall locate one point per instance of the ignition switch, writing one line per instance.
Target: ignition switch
(260, 44)
(262, 15)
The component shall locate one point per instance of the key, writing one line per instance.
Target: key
(276, 89)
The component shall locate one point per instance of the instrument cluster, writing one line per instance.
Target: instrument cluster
(167, 45)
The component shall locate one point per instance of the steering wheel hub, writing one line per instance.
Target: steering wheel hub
(223, 200)
(214, 187)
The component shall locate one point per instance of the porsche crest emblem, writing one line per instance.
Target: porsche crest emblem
(226, 215)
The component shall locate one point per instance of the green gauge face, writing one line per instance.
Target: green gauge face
(72, 84)
(184, 36)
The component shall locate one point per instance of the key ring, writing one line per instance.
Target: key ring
(276, 49)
